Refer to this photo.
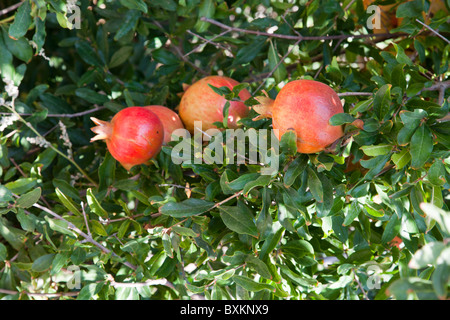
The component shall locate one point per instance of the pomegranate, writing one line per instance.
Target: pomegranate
(306, 107)
(133, 137)
(169, 118)
(200, 103)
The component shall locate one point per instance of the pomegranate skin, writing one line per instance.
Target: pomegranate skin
(200, 103)
(133, 137)
(306, 106)
(169, 118)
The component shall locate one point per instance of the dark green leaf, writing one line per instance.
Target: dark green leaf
(252, 285)
(29, 198)
(294, 169)
(186, 208)
(421, 146)
(238, 220)
(22, 21)
(341, 118)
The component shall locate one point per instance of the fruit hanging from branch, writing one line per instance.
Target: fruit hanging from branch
(200, 103)
(133, 136)
(304, 106)
(169, 118)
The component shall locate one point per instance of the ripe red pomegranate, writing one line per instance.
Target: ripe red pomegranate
(304, 106)
(200, 103)
(169, 118)
(133, 137)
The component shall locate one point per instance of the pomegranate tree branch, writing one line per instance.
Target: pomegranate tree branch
(278, 64)
(75, 229)
(210, 41)
(62, 115)
(300, 37)
(434, 31)
(11, 8)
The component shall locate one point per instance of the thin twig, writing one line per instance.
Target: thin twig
(162, 282)
(61, 115)
(360, 286)
(300, 37)
(345, 94)
(278, 64)
(72, 227)
(218, 204)
(11, 8)
(37, 294)
(434, 31)
(210, 41)
(85, 219)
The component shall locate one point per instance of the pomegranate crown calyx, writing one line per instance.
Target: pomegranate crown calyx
(103, 130)
(264, 108)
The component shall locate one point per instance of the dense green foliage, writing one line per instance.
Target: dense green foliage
(74, 224)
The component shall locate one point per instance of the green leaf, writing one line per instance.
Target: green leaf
(315, 185)
(249, 52)
(427, 255)
(340, 119)
(207, 10)
(186, 208)
(251, 285)
(40, 34)
(376, 150)
(421, 146)
(436, 173)
(375, 164)
(3, 252)
(67, 202)
(135, 4)
(187, 232)
(60, 226)
(43, 263)
(288, 142)
(410, 9)
(95, 205)
(14, 236)
(22, 21)
(381, 101)
(294, 169)
(91, 96)
(88, 54)
(280, 72)
(106, 172)
(442, 217)
(90, 290)
(352, 212)
(297, 248)
(120, 56)
(238, 220)
(129, 24)
(258, 265)
(21, 185)
(20, 48)
(240, 182)
(165, 56)
(28, 199)
(67, 189)
(271, 241)
(401, 158)
(261, 181)
(6, 59)
(411, 121)
(98, 228)
(391, 230)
